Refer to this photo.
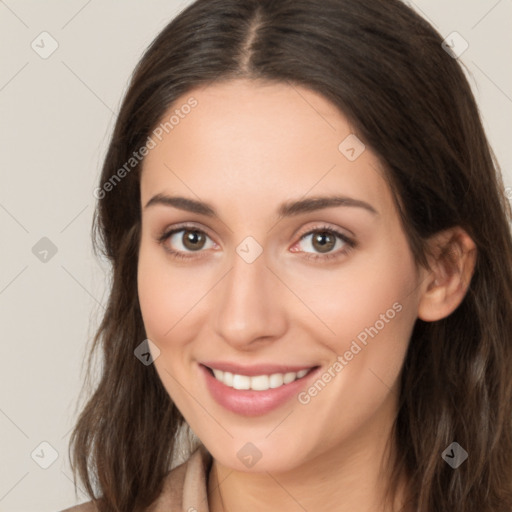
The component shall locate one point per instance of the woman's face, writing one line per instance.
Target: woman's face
(269, 282)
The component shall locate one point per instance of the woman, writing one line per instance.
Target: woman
(312, 272)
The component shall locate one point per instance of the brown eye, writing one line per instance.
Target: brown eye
(323, 241)
(193, 240)
(184, 241)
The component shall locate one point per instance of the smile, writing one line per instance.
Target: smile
(255, 390)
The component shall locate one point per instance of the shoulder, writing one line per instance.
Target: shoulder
(84, 507)
(184, 487)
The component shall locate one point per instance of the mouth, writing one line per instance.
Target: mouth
(256, 390)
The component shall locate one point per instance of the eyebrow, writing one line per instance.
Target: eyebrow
(286, 209)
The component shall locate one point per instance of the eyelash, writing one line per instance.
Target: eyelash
(349, 243)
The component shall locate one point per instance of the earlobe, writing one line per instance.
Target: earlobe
(452, 265)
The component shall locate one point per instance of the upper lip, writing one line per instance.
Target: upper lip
(256, 369)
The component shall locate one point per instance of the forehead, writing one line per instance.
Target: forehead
(263, 141)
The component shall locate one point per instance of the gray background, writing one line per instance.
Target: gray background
(56, 116)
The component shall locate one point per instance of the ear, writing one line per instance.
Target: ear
(452, 262)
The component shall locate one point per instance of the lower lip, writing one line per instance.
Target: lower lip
(248, 402)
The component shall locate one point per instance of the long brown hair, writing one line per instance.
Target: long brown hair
(384, 67)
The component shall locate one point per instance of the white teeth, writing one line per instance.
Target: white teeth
(258, 382)
(276, 380)
(241, 382)
(289, 377)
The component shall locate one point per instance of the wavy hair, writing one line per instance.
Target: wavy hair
(409, 100)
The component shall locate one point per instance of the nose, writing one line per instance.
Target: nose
(251, 305)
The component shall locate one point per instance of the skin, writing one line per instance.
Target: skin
(246, 148)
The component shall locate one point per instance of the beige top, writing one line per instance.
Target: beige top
(185, 487)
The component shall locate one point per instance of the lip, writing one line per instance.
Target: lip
(248, 402)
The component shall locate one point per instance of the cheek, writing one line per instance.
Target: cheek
(370, 309)
(372, 313)
(165, 298)
(167, 293)
(154, 301)
(372, 292)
